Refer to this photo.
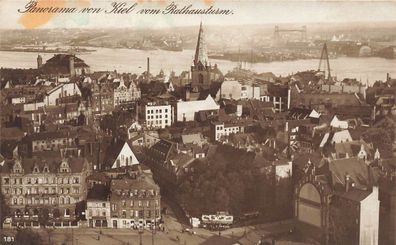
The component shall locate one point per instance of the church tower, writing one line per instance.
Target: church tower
(200, 69)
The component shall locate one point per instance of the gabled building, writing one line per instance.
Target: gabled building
(336, 137)
(102, 99)
(123, 93)
(186, 110)
(338, 196)
(168, 161)
(119, 154)
(135, 202)
(48, 141)
(63, 65)
(64, 90)
(51, 183)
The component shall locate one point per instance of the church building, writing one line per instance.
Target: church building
(202, 73)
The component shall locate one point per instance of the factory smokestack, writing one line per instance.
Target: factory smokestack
(148, 66)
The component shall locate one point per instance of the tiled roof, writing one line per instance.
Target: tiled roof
(353, 194)
(59, 63)
(113, 150)
(98, 192)
(46, 135)
(357, 169)
(11, 133)
(99, 176)
(162, 149)
(52, 161)
(142, 182)
(192, 138)
(181, 159)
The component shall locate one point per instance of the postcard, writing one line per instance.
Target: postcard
(197, 122)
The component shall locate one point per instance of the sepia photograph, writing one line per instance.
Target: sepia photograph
(197, 122)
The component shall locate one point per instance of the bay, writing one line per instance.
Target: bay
(368, 69)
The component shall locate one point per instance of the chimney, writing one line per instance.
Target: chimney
(71, 66)
(347, 182)
(387, 77)
(148, 66)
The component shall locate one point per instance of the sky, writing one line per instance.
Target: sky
(246, 12)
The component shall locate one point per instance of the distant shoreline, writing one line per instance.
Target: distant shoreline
(51, 51)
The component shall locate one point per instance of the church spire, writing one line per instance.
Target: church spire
(201, 55)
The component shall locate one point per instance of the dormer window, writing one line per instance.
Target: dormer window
(35, 170)
(17, 167)
(64, 168)
(46, 170)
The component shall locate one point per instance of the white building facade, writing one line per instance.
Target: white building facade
(158, 116)
(223, 129)
(186, 109)
(60, 91)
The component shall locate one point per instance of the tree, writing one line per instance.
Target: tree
(228, 181)
(381, 140)
(27, 237)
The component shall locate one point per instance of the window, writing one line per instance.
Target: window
(104, 204)
(6, 181)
